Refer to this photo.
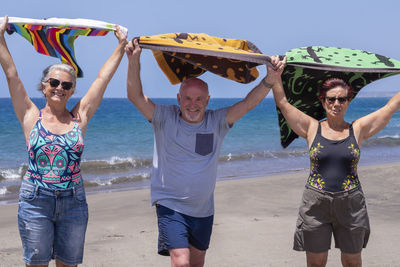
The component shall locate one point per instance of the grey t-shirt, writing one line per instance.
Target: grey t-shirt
(185, 160)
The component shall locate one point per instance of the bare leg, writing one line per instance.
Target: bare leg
(185, 257)
(351, 260)
(317, 259)
(197, 257)
(179, 257)
(60, 264)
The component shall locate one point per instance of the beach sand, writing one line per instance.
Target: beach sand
(254, 224)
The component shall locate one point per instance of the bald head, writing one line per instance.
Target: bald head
(194, 82)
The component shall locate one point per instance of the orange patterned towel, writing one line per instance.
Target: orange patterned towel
(185, 55)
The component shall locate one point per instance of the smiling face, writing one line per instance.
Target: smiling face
(57, 94)
(193, 99)
(335, 102)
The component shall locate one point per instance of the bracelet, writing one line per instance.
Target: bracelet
(266, 84)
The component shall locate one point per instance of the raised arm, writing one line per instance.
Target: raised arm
(255, 96)
(134, 84)
(369, 125)
(88, 105)
(24, 108)
(302, 124)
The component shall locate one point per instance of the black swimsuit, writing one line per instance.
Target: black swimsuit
(334, 163)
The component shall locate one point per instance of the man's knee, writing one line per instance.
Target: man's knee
(180, 262)
(179, 257)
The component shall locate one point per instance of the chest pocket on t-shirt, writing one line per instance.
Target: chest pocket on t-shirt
(204, 143)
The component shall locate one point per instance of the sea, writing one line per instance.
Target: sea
(119, 145)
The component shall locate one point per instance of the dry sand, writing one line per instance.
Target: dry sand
(253, 226)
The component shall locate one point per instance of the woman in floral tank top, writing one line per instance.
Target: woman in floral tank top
(53, 213)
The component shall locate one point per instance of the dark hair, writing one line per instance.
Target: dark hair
(62, 67)
(332, 83)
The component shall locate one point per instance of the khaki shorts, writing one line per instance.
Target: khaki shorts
(322, 213)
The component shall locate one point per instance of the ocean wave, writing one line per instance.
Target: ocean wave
(3, 190)
(387, 141)
(117, 180)
(124, 167)
(130, 179)
(263, 155)
(11, 189)
(115, 164)
(13, 173)
(91, 167)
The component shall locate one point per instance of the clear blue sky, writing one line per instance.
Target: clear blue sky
(274, 26)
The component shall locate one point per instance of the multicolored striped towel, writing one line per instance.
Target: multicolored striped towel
(55, 36)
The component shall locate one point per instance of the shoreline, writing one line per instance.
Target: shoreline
(144, 183)
(253, 226)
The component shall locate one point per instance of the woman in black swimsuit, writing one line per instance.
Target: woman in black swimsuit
(333, 201)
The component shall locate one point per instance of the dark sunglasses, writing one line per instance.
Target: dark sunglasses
(64, 85)
(332, 100)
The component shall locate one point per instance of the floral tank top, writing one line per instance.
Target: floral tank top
(54, 160)
(334, 163)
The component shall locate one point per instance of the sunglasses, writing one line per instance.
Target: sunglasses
(55, 83)
(332, 100)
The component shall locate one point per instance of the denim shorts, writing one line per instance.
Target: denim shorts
(52, 223)
(177, 230)
(321, 214)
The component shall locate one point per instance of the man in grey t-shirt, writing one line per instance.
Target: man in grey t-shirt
(188, 140)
